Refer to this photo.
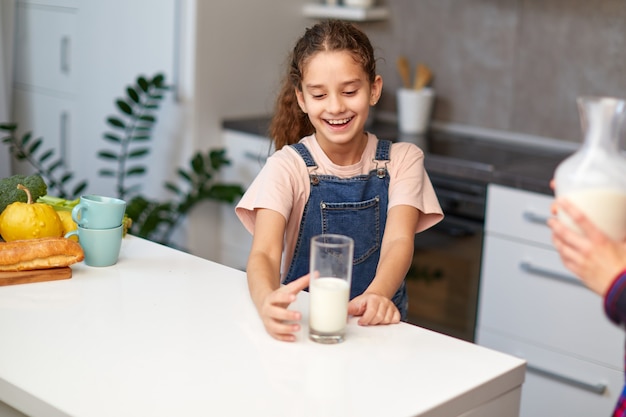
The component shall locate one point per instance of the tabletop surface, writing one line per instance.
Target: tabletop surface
(165, 333)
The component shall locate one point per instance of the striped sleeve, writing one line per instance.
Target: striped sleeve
(615, 300)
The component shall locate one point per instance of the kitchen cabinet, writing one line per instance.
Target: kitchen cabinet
(530, 306)
(44, 83)
(71, 66)
(247, 153)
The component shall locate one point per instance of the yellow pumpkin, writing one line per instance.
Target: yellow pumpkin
(29, 220)
(68, 223)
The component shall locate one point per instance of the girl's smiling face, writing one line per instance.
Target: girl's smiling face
(336, 95)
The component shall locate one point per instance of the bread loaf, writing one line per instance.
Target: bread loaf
(42, 253)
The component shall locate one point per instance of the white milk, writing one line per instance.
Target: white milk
(329, 304)
(606, 208)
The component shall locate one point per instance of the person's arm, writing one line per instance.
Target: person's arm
(375, 305)
(615, 300)
(263, 272)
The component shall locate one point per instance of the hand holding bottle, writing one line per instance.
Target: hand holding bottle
(588, 253)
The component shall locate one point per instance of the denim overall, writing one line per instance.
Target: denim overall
(356, 207)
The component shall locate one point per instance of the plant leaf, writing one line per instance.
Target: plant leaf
(46, 155)
(114, 121)
(218, 158)
(158, 79)
(147, 118)
(35, 146)
(108, 155)
(124, 107)
(8, 126)
(112, 138)
(135, 171)
(26, 138)
(184, 175)
(173, 187)
(132, 94)
(138, 152)
(55, 165)
(197, 163)
(80, 187)
(143, 83)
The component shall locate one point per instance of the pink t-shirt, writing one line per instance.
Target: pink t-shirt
(283, 186)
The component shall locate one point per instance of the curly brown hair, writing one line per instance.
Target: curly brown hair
(290, 123)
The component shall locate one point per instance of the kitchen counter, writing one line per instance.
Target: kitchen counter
(165, 333)
(471, 157)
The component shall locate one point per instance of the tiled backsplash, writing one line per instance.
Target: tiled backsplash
(511, 65)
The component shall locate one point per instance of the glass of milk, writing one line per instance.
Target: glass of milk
(329, 289)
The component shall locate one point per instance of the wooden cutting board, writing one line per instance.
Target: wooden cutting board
(40, 275)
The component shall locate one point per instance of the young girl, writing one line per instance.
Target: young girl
(330, 176)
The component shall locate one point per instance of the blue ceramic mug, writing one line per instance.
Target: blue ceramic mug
(101, 246)
(99, 212)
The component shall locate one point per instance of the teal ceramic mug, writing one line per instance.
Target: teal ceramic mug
(99, 212)
(101, 246)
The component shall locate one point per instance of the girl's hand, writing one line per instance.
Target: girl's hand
(592, 256)
(280, 322)
(374, 309)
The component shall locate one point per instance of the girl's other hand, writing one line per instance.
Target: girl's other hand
(281, 323)
(374, 309)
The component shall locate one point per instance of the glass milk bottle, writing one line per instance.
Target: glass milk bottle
(594, 177)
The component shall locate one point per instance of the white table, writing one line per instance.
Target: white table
(164, 333)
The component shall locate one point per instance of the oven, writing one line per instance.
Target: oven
(443, 280)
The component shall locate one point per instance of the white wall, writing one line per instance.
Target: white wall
(114, 45)
(241, 48)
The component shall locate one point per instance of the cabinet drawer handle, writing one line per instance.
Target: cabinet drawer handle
(65, 54)
(535, 218)
(537, 270)
(64, 139)
(597, 388)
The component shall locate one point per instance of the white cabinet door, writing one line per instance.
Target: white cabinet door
(557, 384)
(526, 293)
(45, 40)
(48, 117)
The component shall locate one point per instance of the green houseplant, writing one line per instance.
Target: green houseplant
(130, 134)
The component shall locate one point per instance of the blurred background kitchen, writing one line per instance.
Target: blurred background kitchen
(500, 66)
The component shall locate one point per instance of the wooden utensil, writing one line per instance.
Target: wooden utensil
(39, 275)
(423, 75)
(404, 68)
